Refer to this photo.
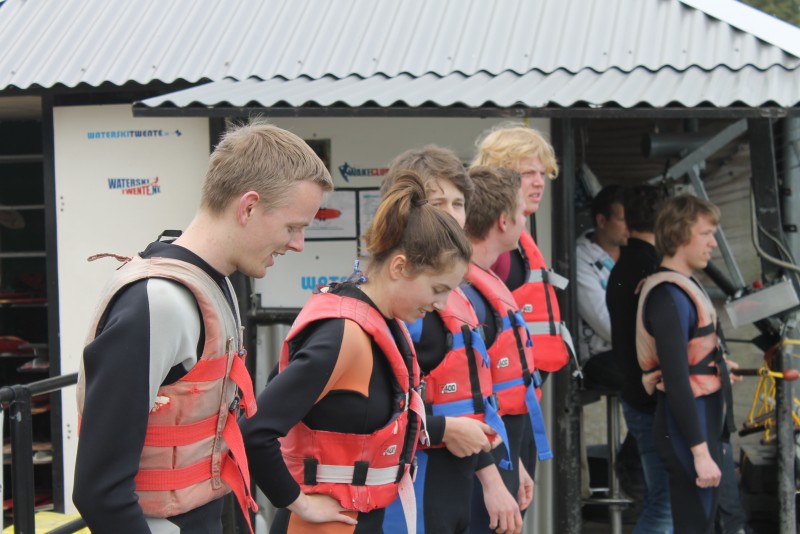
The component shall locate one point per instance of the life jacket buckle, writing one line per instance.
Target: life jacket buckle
(236, 405)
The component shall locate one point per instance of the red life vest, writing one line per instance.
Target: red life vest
(514, 378)
(510, 355)
(461, 385)
(451, 380)
(537, 300)
(363, 472)
(703, 349)
(193, 451)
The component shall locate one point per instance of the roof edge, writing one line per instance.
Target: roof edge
(751, 20)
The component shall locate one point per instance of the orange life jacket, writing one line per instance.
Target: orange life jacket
(537, 300)
(514, 378)
(703, 347)
(363, 472)
(461, 385)
(193, 451)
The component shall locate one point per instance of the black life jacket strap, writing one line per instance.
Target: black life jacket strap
(472, 362)
(704, 330)
(703, 367)
(526, 373)
(550, 316)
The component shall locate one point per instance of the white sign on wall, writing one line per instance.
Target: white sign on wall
(368, 201)
(119, 182)
(291, 280)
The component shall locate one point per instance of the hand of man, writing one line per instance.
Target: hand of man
(320, 508)
(504, 514)
(650, 380)
(464, 436)
(733, 365)
(526, 486)
(708, 473)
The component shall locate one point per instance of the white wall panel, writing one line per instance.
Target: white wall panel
(95, 148)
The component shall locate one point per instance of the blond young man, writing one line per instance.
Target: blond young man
(678, 348)
(166, 320)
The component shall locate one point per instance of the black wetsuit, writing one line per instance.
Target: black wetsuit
(637, 260)
(292, 395)
(120, 365)
(682, 421)
(518, 273)
(444, 481)
(517, 426)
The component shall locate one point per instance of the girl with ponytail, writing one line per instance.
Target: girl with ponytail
(335, 434)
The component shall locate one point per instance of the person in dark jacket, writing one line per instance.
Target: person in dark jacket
(637, 260)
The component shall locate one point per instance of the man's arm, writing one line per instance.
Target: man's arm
(504, 514)
(592, 300)
(123, 370)
(286, 400)
(668, 319)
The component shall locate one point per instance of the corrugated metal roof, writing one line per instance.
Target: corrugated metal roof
(47, 43)
(720, 87)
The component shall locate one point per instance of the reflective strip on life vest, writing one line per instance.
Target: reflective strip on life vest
(343, 474)
(551, 329)
(549, 277)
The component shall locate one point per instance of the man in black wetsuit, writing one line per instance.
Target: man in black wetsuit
(679, 353)
(155, 334)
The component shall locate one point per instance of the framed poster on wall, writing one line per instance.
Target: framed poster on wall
(336, 218)
(368, 200)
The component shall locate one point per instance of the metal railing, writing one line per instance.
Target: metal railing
(18, 398)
